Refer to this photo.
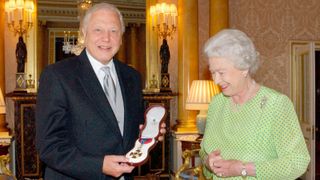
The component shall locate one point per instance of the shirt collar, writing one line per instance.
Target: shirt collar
(97, 65)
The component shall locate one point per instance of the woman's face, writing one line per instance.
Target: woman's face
(231, 80)
(103, 36)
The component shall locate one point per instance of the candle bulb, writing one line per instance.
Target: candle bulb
(72, 39)
(30, 17)
(65, 37)
(166, 18)
(8, 17)
(173, 20)
(152, 14)
(20, 14)
(7, 11)
(11, 17)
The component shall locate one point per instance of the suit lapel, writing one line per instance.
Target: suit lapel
(93, 89)
(126, 84)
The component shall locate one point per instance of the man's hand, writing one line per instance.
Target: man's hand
(162, 132)
(116, 165)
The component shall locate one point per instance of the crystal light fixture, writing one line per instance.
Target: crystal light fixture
(70, 44)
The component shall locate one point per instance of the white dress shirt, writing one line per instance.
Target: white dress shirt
(99, 73)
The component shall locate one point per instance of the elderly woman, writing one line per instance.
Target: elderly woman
(251, 131)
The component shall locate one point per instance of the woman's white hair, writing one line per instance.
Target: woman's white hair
(236, 47)
(102, 6)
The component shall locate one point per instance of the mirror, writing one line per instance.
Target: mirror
(57, 17)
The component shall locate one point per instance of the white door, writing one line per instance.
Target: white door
(303, 95)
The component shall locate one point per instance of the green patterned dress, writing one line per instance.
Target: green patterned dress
(265, 130)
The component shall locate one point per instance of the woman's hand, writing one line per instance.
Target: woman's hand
(222, 167)
(227, 168)
(212, 158)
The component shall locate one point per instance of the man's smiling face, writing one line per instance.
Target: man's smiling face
(103, 35)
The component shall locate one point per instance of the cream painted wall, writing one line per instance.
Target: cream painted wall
(10, 69)
(10, 60)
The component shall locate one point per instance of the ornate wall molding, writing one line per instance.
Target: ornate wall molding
(66, 11)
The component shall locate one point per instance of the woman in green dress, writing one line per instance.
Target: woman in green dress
(251, 131)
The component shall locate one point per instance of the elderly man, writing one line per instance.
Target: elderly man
(89, 107)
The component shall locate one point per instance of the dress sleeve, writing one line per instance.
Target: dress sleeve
(292, 153)
(206, 172)
(202, 153)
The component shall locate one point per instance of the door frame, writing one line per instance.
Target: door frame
(307, 126)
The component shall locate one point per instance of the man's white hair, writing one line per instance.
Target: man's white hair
(102, 6)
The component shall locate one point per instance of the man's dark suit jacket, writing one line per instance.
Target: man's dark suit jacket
(75, 125)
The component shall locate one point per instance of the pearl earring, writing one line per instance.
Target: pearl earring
(245, 74)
